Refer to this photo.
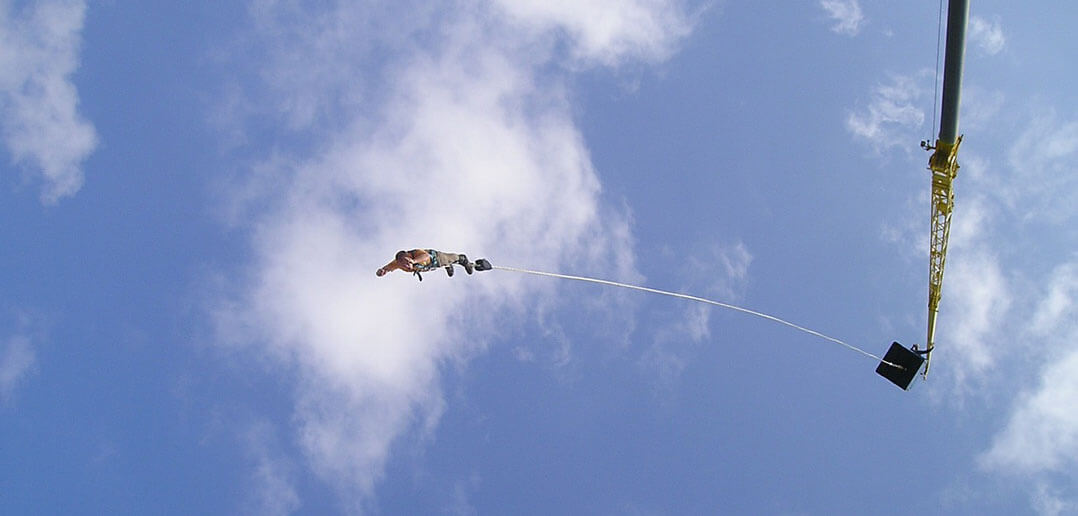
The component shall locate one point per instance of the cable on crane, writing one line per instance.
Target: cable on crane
(936, 82)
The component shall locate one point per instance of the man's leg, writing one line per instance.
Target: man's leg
(450, 258)
(447, 258)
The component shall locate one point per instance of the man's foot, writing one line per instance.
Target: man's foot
(463, 260)
(449, 270)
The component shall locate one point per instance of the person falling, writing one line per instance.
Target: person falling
(418, 261)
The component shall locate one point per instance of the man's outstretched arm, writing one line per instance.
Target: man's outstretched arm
(389, 267)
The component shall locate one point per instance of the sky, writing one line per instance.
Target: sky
(194, 198)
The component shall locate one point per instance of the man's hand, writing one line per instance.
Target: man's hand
(381, 272)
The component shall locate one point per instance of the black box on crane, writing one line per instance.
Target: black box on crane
(909, 360)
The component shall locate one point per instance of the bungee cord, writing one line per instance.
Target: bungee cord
(701, 300)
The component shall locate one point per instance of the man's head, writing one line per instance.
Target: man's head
(402, 258)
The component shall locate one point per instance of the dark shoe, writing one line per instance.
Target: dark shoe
(449, 270)
(482, 265)
(463, 260)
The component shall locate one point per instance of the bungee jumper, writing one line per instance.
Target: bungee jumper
(418, 261)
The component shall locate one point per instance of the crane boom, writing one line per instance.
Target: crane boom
(944, 163)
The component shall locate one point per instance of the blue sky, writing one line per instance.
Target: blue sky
(194, 198)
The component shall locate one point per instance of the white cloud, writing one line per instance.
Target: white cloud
(907, 230)
(39, 118)
(978, 289)
(980, 108)
(459, 504)
(846, 14)
(727, 269)
(1042, 434)
(272, 487)
(894, 115)
(1048, 502)
(473, 149)
(1038, 444)
(1058, 307)
(606, 31)
(977, 297)
(1044, 186)
(987, 35)
(17, 359)
(316, 61)
(976, 301)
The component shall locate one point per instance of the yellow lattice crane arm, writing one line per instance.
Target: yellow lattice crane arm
(944, 167)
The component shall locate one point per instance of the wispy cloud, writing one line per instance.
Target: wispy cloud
(846, 15)
(39, 117)
(894, 115)
(726, 268)
(1060, 305)
(1042, 432)
(17, 359)
(1041, 159)
(460, 505)
(977, 300)
(272, 489)
(986, 35)
(980, 107)
(606, 31)
(472, 147)
(1048, 501)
